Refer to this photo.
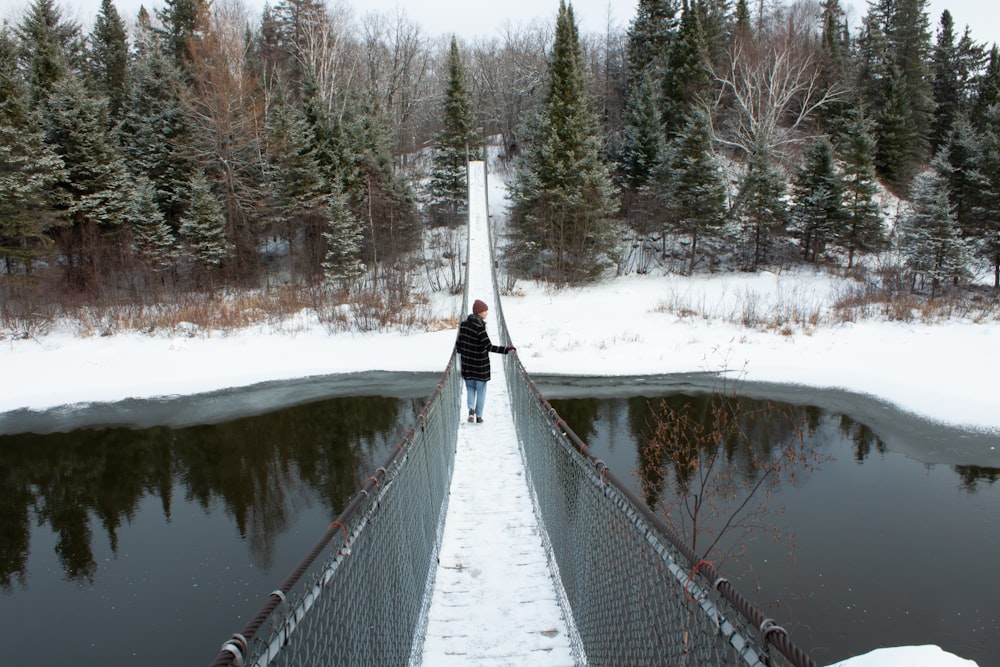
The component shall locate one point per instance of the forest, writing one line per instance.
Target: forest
(313, 156)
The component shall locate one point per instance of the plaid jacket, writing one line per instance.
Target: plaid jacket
(474, 347)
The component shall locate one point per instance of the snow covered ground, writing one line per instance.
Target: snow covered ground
(945, 372)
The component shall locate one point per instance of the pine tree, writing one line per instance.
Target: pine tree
(298, 185)
(861, 231)
(689, 72)
(650, 35)
(899, 148)
(456, 144)
(203, 225)
(988, 91)
(49, 45)
(562, 194)
(834, 68)
(342, 264)
(931, 244)
(987, 237)
(95, 191)
(817, 192)
(962, 154)
(760, 208)
(182, 25)
(642, 138)
(152, 238)
(692, 188)
(29, 170)
(109, 57)
(945, 82)
(153, 130)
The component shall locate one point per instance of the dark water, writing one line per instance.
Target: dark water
(150, 544)
(855, 547)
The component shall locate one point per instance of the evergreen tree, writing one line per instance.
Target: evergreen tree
(956, 65)
(834, 67)
(29, 170)
(95, 190)
(987, 237)
(109, 57)
(642, 143)
(689, 73)
(967, 183)
(181, 20)
(152, 238)
(931, 244)
(742, 26)
(817, 192)
(911, 47)
(650, 36)
(988, 91)
(153, 130)
(299, 187)
(342, 264)
(760, 208)
(456, 144)
(861, 230)
(693, 191)
(898, 149)
(49, 48)
(203, 225)
(562, 194)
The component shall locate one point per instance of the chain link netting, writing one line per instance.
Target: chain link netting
(637, 595)
(364, 604)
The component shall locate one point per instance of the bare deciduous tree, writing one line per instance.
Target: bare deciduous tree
(769, 91)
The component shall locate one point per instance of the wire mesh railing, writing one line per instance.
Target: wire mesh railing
(364, 602)
(637, 594)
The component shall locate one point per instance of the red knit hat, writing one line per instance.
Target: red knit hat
(479, 307)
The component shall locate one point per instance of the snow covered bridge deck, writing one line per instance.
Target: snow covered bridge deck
(494, 600)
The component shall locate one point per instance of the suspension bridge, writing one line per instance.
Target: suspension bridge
(502, 543)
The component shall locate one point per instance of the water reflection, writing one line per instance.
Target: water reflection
(259, 470)
(875, 532)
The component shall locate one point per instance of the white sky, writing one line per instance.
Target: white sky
(469, 18)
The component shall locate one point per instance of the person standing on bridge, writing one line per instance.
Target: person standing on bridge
(474, 347)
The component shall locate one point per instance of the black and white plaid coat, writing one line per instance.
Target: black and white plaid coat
(474, 347)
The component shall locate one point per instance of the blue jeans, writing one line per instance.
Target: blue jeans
(475, 391)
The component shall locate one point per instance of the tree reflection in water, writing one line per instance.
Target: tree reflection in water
(260, 469)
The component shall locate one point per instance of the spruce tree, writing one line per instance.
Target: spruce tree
(861, 231)
(688, 77)
(562, 195)
(108, 57)
(457, 143)
(203, 225)
(298, 184)
(153, 129)
(95, 191)
(899, 148)
(760, 208)
(987, 93)
(692, 189)
(967, 182)
(342, 263)
(642, 135)
(49, 46)
(931, 244)
(182, 25)
(152, 238)
(650, 35)
(987, 237)
(29, 170)
(817, 193)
